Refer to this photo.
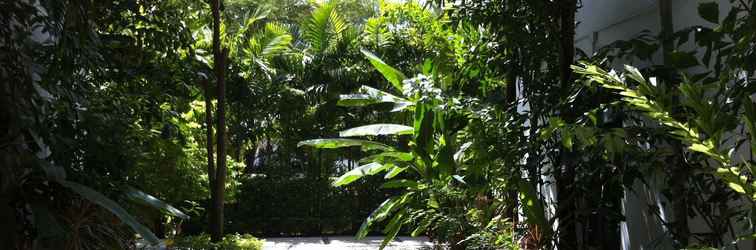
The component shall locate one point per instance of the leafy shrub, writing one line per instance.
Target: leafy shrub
(230, 242)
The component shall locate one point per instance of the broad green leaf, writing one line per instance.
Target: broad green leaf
(433, 201)
(113, 207)
(394, 172)
(400, 184)
(532, 205)
(393, 227)
(682, 59)
(423, 226)
(146, 199)
(394, 76)
(368, 95)
(359, 172)
(377, 129)
(737, 187)
(423, 127)
(567, 138)
(342, 143)
(378, 214)
(709, 11)
(388, 157)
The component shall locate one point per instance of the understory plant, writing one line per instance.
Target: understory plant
(423, 163)
(718, 123)
(229, 242)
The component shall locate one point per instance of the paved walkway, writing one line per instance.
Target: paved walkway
(345, 243)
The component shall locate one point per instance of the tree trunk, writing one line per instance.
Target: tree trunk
(566, 195)
(680, 172)
(210, 145)
(218, 191)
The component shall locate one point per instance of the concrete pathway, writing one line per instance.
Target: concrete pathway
(345, 243)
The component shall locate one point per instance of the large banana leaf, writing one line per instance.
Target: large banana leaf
(361, 171)
(392, 156)
(368, 96)
(393, 227)
(113, 207)
(380, 213)
(394, 76)
(342, 143)
(377, 129)
(146, 199)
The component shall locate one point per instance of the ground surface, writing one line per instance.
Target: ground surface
(344, 243)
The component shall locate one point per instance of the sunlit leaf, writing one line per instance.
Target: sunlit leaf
(368, 95)
(394, 76)
(359, 172)
(377, 129)
(393, 227)
(342, 143)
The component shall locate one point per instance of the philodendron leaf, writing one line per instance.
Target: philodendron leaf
(149, 200)
(342, 143)
(377, 129)
(394, 76)
(359, 172)
(113, 207)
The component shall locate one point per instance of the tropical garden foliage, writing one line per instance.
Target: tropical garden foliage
(206, 124)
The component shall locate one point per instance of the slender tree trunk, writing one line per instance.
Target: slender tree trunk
(218, 192)
(680, 172)
(210, 144)
(566, 195)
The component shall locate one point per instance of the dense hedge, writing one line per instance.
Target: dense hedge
(283, 205)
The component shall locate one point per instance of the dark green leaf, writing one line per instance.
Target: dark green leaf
(709, 11)
(113, 207)
(146, 199)
(393, 227)
(388, 157)
(400, 184)
(682, 59)
(394, 76)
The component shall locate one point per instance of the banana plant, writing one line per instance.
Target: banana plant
(431, 161)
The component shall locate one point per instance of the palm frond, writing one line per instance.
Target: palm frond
(323, 28)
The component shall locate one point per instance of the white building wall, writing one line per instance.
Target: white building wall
(601, 22)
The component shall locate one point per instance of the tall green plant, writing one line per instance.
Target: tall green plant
(418, 169)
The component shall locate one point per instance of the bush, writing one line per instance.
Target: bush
(230, 242)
